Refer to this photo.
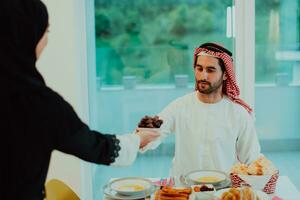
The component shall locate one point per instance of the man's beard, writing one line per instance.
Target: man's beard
(211, 87)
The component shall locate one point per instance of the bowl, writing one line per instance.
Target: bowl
(265, 183)
(130, 186)
(206, 177)
(203, 195)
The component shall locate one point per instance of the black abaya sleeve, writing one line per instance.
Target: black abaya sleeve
(70, 135)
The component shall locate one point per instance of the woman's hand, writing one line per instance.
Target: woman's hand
(147, 136)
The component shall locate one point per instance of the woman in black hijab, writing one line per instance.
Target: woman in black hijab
(36, 120)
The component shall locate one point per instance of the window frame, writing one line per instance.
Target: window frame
(86, 54)
(245, 49)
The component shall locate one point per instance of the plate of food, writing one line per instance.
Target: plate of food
(130, 186)
(202, 192)
(108, 192)
(236, 193)
(173, 193)
(207, 177)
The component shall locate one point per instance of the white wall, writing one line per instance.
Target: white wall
(59, 65)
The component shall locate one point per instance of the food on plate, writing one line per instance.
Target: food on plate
(228, 196)
(169, 193)
(248, 194)
(206, 177)
(239, 194)
(232, 193)
(131, 187)
(203, 188)
(209, 179)
(261, 166)
(150, 122)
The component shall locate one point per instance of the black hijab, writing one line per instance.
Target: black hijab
(23, 25)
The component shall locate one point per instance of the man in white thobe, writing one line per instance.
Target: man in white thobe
(213, 127)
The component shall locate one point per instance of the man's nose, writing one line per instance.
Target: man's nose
(203, 75)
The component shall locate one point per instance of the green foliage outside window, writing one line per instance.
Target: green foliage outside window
(154, 40)
(277, 30)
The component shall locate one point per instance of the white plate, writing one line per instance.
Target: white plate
(207, 176)
(114, 195)
(149, 129)
(225, 184)
(260, 194)
(202, 195)
(130, 186)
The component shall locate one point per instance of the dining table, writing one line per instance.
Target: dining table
(285, 189)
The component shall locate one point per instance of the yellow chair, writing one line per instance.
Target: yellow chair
(58, 190)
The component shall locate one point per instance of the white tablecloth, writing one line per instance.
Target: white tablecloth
(285, 189)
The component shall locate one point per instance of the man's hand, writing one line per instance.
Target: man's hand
(147, 136)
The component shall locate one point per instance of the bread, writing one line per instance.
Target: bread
(248, 194)
(240, 169)
(261, 166)
(239, 194)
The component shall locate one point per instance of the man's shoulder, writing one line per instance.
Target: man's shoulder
(182, 99)
(186, 97)
(236, 108)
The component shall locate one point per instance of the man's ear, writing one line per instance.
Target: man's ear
(225, 76)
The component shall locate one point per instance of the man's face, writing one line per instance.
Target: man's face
(209, 75)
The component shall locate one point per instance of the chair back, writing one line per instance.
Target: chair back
(58, 190)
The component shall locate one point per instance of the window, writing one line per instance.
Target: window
(277, 42)
(277, 51)
(153, 41)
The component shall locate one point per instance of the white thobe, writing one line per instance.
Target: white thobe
(208, 136)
